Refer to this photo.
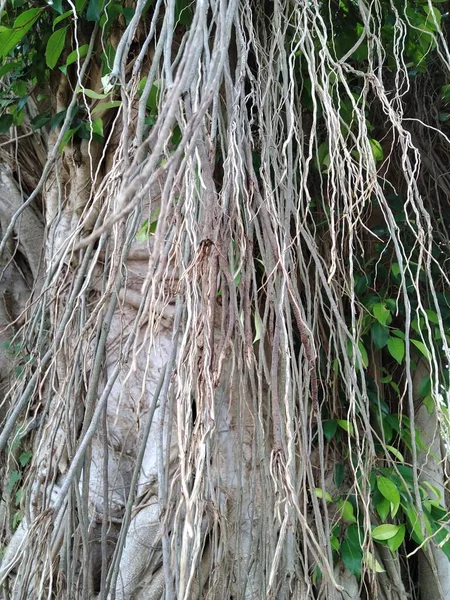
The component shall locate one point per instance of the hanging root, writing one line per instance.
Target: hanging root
(201, 324)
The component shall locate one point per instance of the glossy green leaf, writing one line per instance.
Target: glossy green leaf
(62, 17)
(428, 402)
(97, 127)
(432, 316)
(67, 137)
(364, 356)
(424, 387)
(339, 473)
(372, 564)
(106, 106)
(379, 334)
(385, 532)
(422, 348)
(79, 6)
(398, 333)
(55, 46)
(7, 68)
(41, 120)
(76, 54)
(352, 557)
(347, 511)
(398, 455)
(396, 348)
(9, 38)
(395, 268)
(414, 525)
(377, 150)
(334, 543)
(25, 458)
(5, 123)
(93, 10)
(92, 94)
(433, 489)
(57, 6)
(14, 477)
(395, 542)
(58, 119)
(388, 489)
(346, 426)
(382, 508)
(381, 313)
(329, 428)
(319, 493)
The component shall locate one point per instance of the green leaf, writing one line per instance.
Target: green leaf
(395, 387)
(79, 5)
(56, 5)
(424, 387)
(14, 477)
(93, 10)
(372, 563)
(428, 402)
(338, 474)
(18, 516)
(432, 316)
(58, 118)
(385, 532)
(55, 46)
(388, 489)
(381, 313)
(347, 512)
(106, 106)
(352, 557)
(319, 493)
(97, 127)
(94, 95)
(382, 509)
(183, 12)
(395, 542)
(391, 304)
(396, 348)
(153, 98)
(25, 457)
(5, 123)
(67, 137)
(76, 54)
(9, 38)
(329, 429)
(346, 426)
(377, 150)
(398, 455)
(433, 17)
(379, 334)
(334, 543)
(422, 348)
(142, 234)
(414, 525)
(395, 268)
(61, 18)
(398, 334)
(7, 67)
(433, 489)
(364, 357)
(41, 120)
(128, 13)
